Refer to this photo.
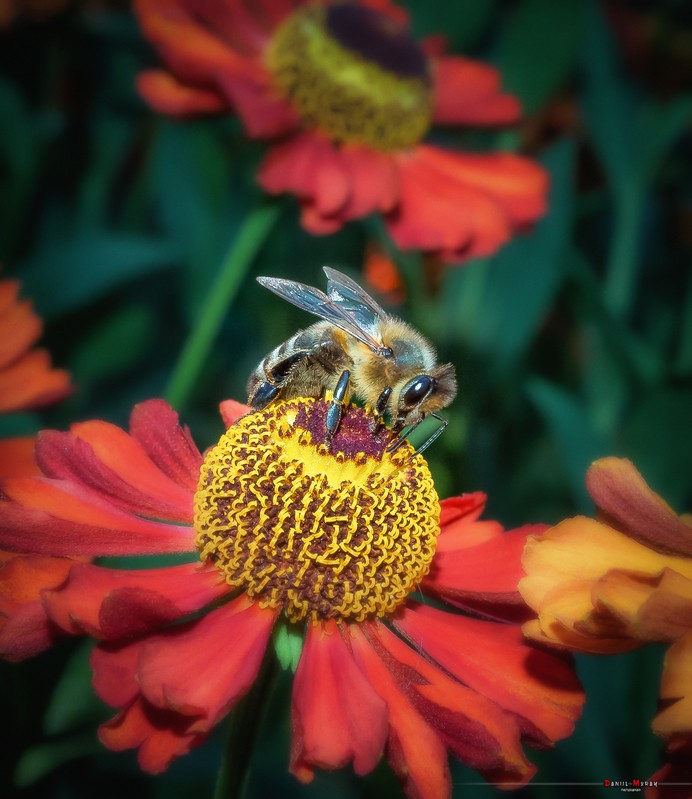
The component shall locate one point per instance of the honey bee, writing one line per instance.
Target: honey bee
(355, 350)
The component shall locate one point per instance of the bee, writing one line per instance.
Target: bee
(355, 350)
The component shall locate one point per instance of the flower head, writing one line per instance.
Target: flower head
(618, 582)
(350, 97)
(286, 528)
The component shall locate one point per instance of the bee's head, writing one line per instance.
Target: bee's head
(427, 393)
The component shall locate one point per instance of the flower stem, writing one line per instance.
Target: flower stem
(221, 294)
(245, 723)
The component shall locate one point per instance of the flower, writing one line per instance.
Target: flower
(27, 379)
(618, 582)
(288, 530)
(349, 97)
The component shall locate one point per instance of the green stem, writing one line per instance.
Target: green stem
(624, 251)
(221, 294)
(245, 723)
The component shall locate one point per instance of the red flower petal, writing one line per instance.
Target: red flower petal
(374, 182)
(17, 457)
(105, 459)
(337, 717)
(468, 93)
(115, 670)
(205, 667)
(231, 411)
(491, 570)
(164, 93)
(494, 660)
(415, 751)
(156, 426)
(264, 113)
(472, 726)
(24, 626)
(54, 517)
(469, 506)
(626, 502)
(20, 327)
(116, 604)
(160, 735)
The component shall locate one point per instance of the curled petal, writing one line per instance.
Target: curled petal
(156, 426)
(333, 726)
(626, 502)
(160, 735)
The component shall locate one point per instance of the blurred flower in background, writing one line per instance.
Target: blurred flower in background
(618, 582)
(379, 672)
(349, 96)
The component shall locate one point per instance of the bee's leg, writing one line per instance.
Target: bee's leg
(276, 375)
(394, 446)
(334, 410)
(380, 407)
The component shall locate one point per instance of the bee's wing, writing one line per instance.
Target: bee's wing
(339, 314)
(353, 299)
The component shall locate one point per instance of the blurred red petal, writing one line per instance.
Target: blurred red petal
(31, 382)
(468, 93)
(231, 411)
(20, 327)
(164, 93)
(337, 716)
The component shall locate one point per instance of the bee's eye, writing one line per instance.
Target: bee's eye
(417, 390)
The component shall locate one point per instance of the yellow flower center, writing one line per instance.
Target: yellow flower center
(340, 530)
(353, 73)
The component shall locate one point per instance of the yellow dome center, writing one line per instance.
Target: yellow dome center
(340, 531)
(354, 74)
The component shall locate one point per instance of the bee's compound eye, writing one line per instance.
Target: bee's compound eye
(417, 390)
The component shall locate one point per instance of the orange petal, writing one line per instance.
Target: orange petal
(676, 690)
(231, 411)
(20, 327)
(163, 92)
(337, 717)
(31, 382)
(625, 501)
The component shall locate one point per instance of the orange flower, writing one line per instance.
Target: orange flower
(289, 531)
(350, 96)
(618, 582)
(27, 379)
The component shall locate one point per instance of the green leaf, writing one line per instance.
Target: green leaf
(539, 49)
(69, 274)
(501, 304)
(288, 644)
(573, 430)
(40, 760)
(73, 702)
(462, 23)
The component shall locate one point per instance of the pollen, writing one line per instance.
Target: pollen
(320, 529)
(353, 73)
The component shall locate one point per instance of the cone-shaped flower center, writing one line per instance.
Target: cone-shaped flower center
(342, 530)
(353, 73)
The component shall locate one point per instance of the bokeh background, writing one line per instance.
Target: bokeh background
(575, 341)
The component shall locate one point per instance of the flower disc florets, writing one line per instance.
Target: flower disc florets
(354, 73)
(341, 530)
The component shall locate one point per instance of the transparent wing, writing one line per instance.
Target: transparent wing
(318, 303)
(353, 299)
